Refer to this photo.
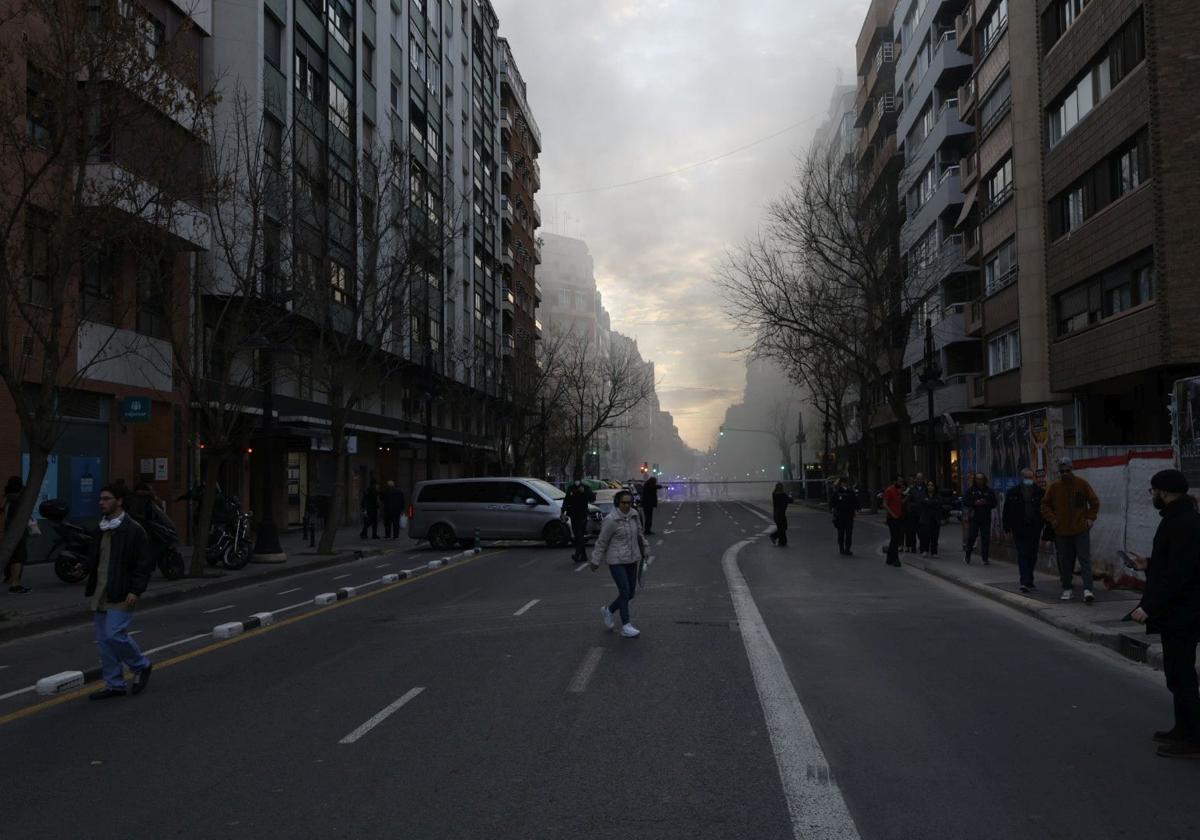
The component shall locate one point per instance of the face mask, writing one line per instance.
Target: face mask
(1158, 502)
(1028, 482)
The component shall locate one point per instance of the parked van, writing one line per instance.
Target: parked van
(449, 511)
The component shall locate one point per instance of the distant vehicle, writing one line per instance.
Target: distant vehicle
(450, 511)
(604, 501)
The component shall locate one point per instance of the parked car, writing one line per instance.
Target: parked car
(450, 511)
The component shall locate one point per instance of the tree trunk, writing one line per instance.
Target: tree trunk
(38, 461)
(204, 523)
(339, 487)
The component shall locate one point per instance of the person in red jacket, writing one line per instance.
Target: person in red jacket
(893, 507)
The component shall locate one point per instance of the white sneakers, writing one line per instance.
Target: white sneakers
(627, 630)
(630, 632)
(608, 618)
(1067, 595)
(1088, 597)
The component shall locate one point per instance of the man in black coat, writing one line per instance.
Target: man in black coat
(575, 505)
(1170, 606)
(649, 502)
(393, 509)
(1022, 517)
(844, 504)
(370, 511)
(119, 567)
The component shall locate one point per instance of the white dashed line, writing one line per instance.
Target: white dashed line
(380, 717)
(586, 669)
(342, 577)
(580, 567)
(219, 609)
(527, 607)
(288, 591)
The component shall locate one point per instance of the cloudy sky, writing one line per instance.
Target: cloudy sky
(625, 89)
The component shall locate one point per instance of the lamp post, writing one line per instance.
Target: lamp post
(931, 379)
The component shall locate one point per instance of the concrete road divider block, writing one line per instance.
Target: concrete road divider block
(436, 564)
(265, 619)
(348, 592)
(229, 630)
(405, 575)
(325, 598)
(60, 683)
(391, 578)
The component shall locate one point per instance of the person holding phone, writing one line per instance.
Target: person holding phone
(1170, 607)
(622, 546)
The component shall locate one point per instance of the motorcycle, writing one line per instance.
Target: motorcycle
(229, 542)
(164, 543)
(69, 551)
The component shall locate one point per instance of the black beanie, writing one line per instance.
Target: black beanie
(1169, 481)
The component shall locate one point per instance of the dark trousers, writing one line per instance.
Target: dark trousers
(896, 532)
(845, 531)
(1068, 550)
(648, 515)
(911, 526)
(930, 531)
(1179, 667)
(625, 576)
(780, 535)
(391, 525)
(579, 531)
(371, 521)
(981, 528)
(1027, 554)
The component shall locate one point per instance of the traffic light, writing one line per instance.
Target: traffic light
(645, 467)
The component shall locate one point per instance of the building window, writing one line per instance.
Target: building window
(39, 109)
(995, 104)
(153, 281)
(308, 77)
(272, 40)
(339, 284)
(1124, 170)
(994, 24)
(273, 143)
(341, 26)
(1120, 56)
(368, 60)
(1110, 293)
(96, 289)
(998, 186)
(1060, 17)
(1004, 352)
(339, 108)
(1000, 267)
(340, 195)
(37, 259)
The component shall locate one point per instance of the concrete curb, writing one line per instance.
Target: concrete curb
(10, 630)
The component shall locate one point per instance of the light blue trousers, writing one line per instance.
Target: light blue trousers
(116, 647)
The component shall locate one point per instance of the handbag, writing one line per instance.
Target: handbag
(403, 522)
(33, 529)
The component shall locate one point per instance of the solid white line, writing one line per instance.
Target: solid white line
(380, 717)
(134, 632)
(383, 565)
(289, 591)
(176, 644)
(342, 577)
(526, 608)
(24, 690)
(219, 609)
(307, 603)
(586, 669)
(757, 513)
(580, 567)
(815, 803)
(2, 667)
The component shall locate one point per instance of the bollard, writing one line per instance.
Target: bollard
(60, 683)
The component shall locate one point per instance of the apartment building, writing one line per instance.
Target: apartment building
(930, 70)
(422, 78)
(520, 218)
(102, 241)
(1121, 184)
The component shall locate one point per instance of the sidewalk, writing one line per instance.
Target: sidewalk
(54, 604)
(1099, 623)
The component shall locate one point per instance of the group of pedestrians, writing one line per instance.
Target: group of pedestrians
(915, 510)
(391, 500)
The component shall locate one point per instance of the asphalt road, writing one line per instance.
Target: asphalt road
(487, 700)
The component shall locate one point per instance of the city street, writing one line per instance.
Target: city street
(486, 699)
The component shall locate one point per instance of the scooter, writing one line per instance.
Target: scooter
(69, 551)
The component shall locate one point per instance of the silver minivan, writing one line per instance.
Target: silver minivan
(449, 511)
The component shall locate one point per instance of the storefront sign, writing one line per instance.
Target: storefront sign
(160, 469)
(325, 444)
(135, 409)
(147, 466)
(85, 486)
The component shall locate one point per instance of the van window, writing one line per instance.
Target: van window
(459, 492)
(507, 493)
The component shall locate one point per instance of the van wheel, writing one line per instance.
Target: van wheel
(441, 537)
(557, 535)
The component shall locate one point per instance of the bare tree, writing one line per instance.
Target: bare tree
(370, 317)
(781, 428)
(99, 117)
(825, 280)
(534, 388)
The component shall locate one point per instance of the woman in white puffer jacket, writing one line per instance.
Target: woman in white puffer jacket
(622, 546)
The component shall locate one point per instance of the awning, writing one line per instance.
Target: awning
(968, 204)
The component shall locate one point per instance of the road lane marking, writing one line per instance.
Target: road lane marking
(289, 591)
(24, 690)
(218, 609)
(342, 577)
(169, 645)
(660, 542)
(586, 669)
(580, 567)
(2, 667)
(383, 565)
(134, 633)
(815, 803)
(527, 607)
(218, 645)
(380, 717)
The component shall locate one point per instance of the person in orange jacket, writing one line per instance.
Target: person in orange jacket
(1070, 507)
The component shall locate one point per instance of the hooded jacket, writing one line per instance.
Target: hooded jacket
(620, 540)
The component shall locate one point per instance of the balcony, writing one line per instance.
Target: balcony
(967, 99)
(506, 211)
(977, 395)
(537, 174)
(508, 301)
(950, 327)
(883, 70)
(970, 247)
(506, 166)
(537, 329)
(123, 357)
(113, 188)
(964, 28)
(951, 396)
(538, 294)
(508, 344)
(506, 120)
(537, 251)
(975, 319)
(886, 108)
(945, 195)
(508, 258)
(968, 170)
(537, 214)
(995, 284)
